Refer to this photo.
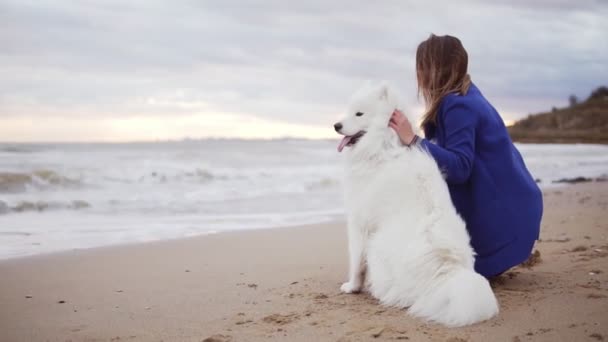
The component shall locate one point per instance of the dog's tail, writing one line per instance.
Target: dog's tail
(463, 298)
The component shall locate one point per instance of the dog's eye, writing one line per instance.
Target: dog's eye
(359, 114)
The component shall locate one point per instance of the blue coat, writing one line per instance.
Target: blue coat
(489, 183)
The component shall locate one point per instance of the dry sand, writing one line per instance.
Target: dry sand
(282, 284)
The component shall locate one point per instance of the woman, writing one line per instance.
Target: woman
(487, 178)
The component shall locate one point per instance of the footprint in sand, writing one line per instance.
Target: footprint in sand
(592, 252)
(456, 339)
(600, 252)
(278, 319)
(320, 296)
(241, 320)
(244, 321)
(218, 338)
(580, 248)
(382, 333)
(597, 336)
(560, 240)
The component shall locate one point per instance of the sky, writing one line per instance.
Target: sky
(86, 70)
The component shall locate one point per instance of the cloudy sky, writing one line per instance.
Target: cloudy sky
(86, 70)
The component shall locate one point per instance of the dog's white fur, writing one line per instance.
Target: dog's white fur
(404, 233)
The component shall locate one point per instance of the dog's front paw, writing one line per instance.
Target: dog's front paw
(349, 287)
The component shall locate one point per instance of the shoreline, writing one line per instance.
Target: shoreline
(561, 140)
(555, 185)
(283, 284)
(201, 235)
(108, 248)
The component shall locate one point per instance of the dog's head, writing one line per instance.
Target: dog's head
(370, 109)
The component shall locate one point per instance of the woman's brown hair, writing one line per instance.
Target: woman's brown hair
(441, 69)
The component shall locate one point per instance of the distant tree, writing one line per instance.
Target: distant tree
(599, 93)
(554, 109)
(573, 100)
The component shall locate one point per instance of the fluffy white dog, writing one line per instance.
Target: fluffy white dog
(407, 243)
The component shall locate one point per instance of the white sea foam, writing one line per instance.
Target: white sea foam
(67, 196)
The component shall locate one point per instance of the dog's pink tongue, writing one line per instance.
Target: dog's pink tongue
(343, 143)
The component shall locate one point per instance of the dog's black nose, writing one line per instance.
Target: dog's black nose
(338, 127)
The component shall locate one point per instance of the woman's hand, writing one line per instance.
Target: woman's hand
(403, 127)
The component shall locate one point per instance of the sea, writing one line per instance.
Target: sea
(60, 197)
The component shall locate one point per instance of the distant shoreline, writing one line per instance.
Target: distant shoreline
(7, 146)
(580, 123)
(523, 135)
(534, 140)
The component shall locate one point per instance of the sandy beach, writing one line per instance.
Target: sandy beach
(283, 284)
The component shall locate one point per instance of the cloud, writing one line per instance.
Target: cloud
(285, 63)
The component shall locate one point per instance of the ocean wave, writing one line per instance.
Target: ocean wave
(198, 175)
(231, 176)
(195, 176)
(202, 175)
(38, 179)
(40, 206)
(322, 184)
(18, 148)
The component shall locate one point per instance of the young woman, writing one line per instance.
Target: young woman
(488, 181)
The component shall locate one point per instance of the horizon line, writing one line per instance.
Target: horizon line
(185, 139)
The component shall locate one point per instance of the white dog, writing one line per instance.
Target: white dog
(403, 230)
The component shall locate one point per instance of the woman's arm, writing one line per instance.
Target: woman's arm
(456, 159)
